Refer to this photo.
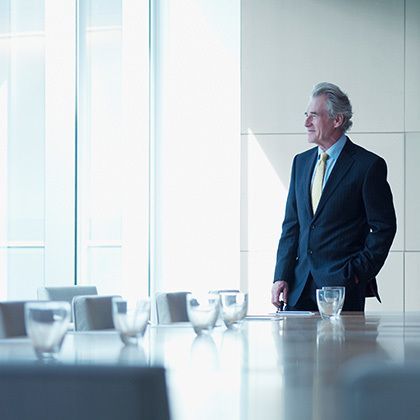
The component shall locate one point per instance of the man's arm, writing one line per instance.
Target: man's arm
(288, 244)
(380, 213)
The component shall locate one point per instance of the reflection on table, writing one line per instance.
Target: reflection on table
(283, 369)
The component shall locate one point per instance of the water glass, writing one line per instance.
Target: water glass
(130, 318)
(203, 311)
(234, 307)
(46, 325)
(342, 290)
(328, 301)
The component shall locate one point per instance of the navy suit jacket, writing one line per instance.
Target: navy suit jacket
(350, 233)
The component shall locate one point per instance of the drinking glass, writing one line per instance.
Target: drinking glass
(203, 311)
(130, 318)
(328, 301)
(234, 307)
(342, 290)
(46, 325)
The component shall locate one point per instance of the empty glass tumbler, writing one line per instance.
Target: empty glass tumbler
(130, 318)
(46, 325)
(342, 290)
(329, 302)
(234, 307)
(203, 311)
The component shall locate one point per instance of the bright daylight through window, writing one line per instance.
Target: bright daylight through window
(120, 145)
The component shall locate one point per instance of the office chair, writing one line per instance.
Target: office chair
(171, 307)
(82, 392)
(66, 293)
(12, 319)
(92, 313)
(381, 390)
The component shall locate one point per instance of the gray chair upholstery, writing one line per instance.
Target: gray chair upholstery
(65, 293)
(12, 319)
(82, 392)
(92, 313)
(171, 307)
(380, 390)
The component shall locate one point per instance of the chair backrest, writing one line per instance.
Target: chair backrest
(92, 313)
(171, 307)
(225, 291)
(65, 293)
(380, 390)
(12, 319)
(82, 392)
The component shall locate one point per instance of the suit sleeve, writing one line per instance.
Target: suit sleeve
(380, 213)
(288, 244)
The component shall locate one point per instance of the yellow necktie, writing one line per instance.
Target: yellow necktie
(318, 181)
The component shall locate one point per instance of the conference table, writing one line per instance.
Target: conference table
(270, 368)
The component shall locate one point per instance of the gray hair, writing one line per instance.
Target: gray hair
(338, 102)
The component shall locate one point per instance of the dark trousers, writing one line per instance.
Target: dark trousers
(354, 300)
(307, 300)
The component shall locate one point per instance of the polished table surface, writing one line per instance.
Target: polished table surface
(286, 368)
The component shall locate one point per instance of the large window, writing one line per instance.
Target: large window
(120, 145)
(22, 143)
(113, 145)
(74, 136)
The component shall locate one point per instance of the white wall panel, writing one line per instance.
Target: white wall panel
(289, 45)
(244, 284)
(390, 285)
(269, 165)
(244, 194)
(260, 266)
(412, 281)
(412, 68)
(391, 148)
(412, 191)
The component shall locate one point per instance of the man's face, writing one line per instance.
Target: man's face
(320, 127)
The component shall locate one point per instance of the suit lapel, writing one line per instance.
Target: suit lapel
(343, 164)
(308, 178)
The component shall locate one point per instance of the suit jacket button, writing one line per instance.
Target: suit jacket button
(310, 251)
(313, 227)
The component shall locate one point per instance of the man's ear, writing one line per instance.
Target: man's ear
(338, 121)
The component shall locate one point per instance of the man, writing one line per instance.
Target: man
(340, 220)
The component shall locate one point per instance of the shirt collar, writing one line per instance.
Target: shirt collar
(335, 150)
